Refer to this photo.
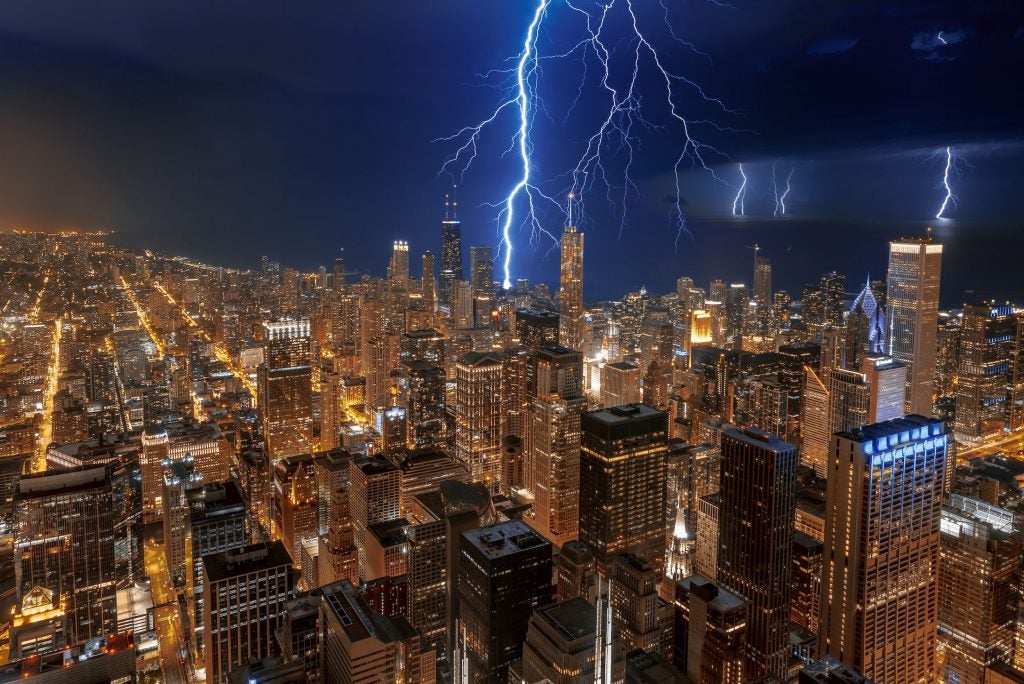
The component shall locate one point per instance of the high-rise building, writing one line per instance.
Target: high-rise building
(504, 574)
(559, 645)
(64, 542)
(338, 557)
(537, 328)
(978, 600)
(762, 279)
(620, 384)
(451, 253)
(244, 596)
(570, 296)
(622, 484)
(879, 607)
(421, 387)
(553, 440)
(478, 416)
(428, 288)
(574, 571)
(330, 410)
(912, 298)
(814, 421)
(988, 340)
(374, 496)
(362, 645)
(179, 477)
(711, 629)
(285, 389)
(849, 400)
(481, 270)
(887, 380)
(805, 599)
(755, 540)
(643, 620)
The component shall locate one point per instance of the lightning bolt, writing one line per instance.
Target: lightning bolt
(780, 200)
(613, 38)
(941, 39)
(737, 202)
(950, 198)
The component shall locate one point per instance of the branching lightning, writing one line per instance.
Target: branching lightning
(741, 194)
(613, 38)
(780, 200)
(949, 200)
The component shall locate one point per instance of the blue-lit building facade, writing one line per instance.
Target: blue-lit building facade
(879, 609)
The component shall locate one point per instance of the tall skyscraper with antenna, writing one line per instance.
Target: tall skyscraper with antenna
(451, 251)
(570, 298)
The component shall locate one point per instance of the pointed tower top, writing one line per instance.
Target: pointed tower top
(571, 198)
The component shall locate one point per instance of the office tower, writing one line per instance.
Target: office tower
(822, 305)
(330, 410)
(244, 595)
(285, 389)
(570, 296)
(705, 556)
(711, 630)
(481, 271)
(295, 491)
(887, 380)
(64, 542)
(392, 427)
(805, 600)
(537, 328)
(828, 670)
(620, 384)
(339, 271)
(553, 440)
(380, 358)
(762, 280)
(386, 549)
(451, 253)
(421, 388)
(849, 400)
(1017, 381)
(398, 267)
(642, 619)
(988, 338)
(504, 574)
(513, 465)
(375, 496)
(203, 443)
(622, 484)
(255, 479)
(980, 561)
(574, 571)
(179, 477)
(716, 291)
(478, 416)
(884, 495)
(426, 344)
(912, 298)
(427, 574)
(427, 287)
(461, 304)
(755, 540)
(361, 645)
(216, 522)
(559, 646)
(873, 324)
(423, 470)
(338, 557)
(814, 422)
(330, 470)
(769, 409)
(735, 307)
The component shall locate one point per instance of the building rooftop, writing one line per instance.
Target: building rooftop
(758, 438)
(720, 598)
(622, 365)
(390, 533)
(246, 559)
(573, 619)
(374, 465)
(504, 539)
(480, 359)
(894, 432)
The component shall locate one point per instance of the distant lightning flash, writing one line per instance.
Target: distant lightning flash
(612, 38)
(780, 200)
(737, 203)
(950, 199)
(941, 39)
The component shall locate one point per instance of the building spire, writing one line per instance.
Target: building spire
(571, 198)
(455, 202)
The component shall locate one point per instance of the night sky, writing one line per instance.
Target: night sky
(229, 130)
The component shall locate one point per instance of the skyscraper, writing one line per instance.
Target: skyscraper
(374, 496)
(814, 422)
(622, 484)
(988, 339)
(888, 380)
(981, 563)
(286, 389)
(478, 416)
(481, 271)
(879, 607)
(427, 286)
(570, 297)
(762, 280)
(712, 625)
(64, 542)
(504, 574)
(553, 441)
(244, 595)
(451, 253)
(912, 298)
(755, 540)
(849, 400)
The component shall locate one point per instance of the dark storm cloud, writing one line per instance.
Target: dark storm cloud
(232, 129)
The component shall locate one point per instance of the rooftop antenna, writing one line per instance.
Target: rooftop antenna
(572, 196)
